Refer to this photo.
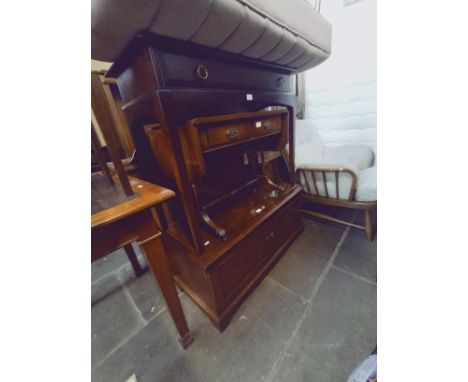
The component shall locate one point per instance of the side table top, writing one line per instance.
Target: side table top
(145, 195)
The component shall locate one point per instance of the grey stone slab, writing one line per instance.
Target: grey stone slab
(156, 343)
(245, 352)
(305, 259)
(358, 255)
(338, 332)
(115, 261)
(105, 286)
(126, 273)
(108, 264)
(114, 320)
(146, 295)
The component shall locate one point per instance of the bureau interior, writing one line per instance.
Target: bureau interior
(235, 164)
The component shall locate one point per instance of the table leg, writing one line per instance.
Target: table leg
(137, 269)
(159, 264)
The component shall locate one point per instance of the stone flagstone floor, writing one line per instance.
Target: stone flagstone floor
(313, 318)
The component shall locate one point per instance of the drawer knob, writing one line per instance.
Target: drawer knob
(201, 72)
(271, 236)
(268, 126)
(279, 82)
(232, 133)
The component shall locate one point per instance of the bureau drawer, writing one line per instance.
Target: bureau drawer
(266, 126)
(226, 134)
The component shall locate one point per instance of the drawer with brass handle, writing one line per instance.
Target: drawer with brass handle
(268, 125)
(225, 134)
(215, 132)
(232, 133)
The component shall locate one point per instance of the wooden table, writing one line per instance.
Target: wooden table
(118, 219)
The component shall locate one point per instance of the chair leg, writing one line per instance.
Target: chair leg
(368, 225)
(137, 269)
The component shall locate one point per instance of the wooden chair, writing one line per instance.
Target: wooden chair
(103, 110)
(341, 176)
(302, 175)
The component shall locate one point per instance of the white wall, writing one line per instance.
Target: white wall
(354, 45)
(341, 92)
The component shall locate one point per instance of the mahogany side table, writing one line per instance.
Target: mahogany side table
(118, 219)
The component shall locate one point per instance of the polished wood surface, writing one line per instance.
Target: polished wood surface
(105, 116)
(200, 126)
(135, 220)
(148, 196)
(114, 101)
(301, 174)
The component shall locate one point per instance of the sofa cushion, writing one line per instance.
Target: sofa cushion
(289, 33)
(367, 185)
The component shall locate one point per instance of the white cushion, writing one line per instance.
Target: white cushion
(355, 156)
(312, 152)
(309, 146)
(367, 185)
(289, 33)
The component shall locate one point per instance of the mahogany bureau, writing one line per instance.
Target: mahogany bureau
(218, 129)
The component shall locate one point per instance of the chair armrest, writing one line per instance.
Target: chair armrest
(328, 168)
(320, 170)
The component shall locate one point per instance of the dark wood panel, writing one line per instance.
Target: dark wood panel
(237, 266)
(183, 71)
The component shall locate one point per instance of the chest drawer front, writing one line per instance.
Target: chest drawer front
(239, 265)
(244, 262)
(179, 70)
(278, 228)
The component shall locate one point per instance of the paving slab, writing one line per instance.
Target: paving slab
(114, 321)
(338, 332)
(244, 352)
(304, 261)
(358, 255)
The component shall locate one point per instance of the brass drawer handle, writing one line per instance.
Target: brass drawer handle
(202, 72)
(232, 133)
(268, 126)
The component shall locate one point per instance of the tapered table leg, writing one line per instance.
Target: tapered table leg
(159, 264)
(137, 269)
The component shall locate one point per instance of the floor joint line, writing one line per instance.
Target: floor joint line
(287, 289)
(274, 369)
(353, 275)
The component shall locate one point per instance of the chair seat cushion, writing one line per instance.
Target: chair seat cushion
(289, 33)
(367, 185)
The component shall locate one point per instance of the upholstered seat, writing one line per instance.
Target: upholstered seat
(289, 33)
(312, 153)
(341, 176)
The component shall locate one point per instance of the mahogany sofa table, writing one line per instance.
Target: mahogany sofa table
(117, 220)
